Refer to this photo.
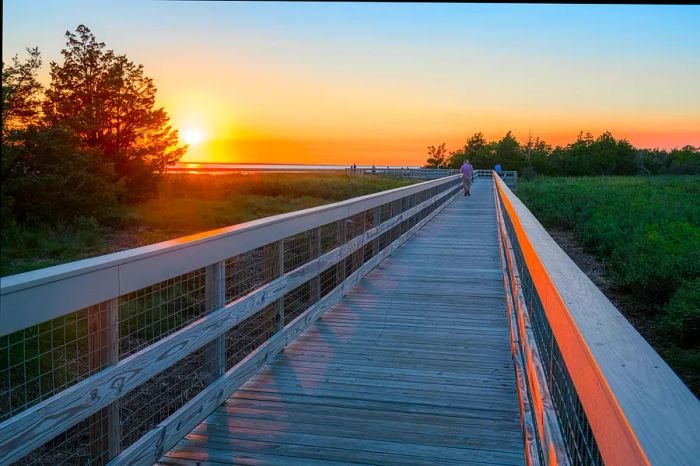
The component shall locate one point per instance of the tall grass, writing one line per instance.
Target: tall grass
(185, 204)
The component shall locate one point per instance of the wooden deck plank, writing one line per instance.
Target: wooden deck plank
(413, 366)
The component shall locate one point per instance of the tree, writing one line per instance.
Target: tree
(508, 153)
(468, 151)
(57, 179)
(107, 101)
(537, 153)
(21, 92)
(436, 156)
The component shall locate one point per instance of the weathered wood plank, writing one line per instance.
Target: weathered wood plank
(177, 425)
(378, 378)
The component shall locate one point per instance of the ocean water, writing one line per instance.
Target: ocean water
(224, 168)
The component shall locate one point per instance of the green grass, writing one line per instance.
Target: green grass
(185, 204)
(52, 355)
(646, 231)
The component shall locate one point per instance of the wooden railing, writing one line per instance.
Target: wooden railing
(114, 359)
(417, 173)
(510, 177)
(591, 389)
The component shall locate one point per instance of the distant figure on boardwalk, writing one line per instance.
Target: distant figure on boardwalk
(467, 173)
(354, 167)
(374, 169)
(498, 169)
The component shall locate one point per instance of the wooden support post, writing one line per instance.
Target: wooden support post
(279, 271)
(315, 249)
(340, 240)
(375, 223)
(215, 292)
(103, 351)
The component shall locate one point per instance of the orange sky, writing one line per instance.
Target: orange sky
(344, 83)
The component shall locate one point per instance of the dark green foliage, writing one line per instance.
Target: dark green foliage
(437, 157)
(682, 314)
(92, 141)
(469, 152)
(107, 101)
(679, 161)
(588, 156)
(52, 177)
(645, 230)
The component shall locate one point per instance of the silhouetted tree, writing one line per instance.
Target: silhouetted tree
(107, 101)
(436, 156)
(21, 92)
(468, 151)
(508, 153)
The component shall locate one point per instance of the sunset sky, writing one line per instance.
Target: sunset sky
(377, 83)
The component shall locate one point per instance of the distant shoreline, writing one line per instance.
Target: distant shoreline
(224, 168)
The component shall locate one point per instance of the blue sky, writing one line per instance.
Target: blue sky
(387, 71)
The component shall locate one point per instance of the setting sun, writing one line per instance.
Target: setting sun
(192, 136)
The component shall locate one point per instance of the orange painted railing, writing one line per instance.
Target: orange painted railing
(591, 389)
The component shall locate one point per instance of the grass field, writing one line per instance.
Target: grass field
(646, 231)
(185, 204)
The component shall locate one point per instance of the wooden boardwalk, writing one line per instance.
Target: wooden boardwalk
(413, 366)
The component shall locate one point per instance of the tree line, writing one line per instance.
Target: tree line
(90, 142)
(587, 156)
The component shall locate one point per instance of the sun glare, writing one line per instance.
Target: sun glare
(192, 136)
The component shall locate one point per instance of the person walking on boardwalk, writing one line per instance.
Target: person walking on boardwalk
(467, 173)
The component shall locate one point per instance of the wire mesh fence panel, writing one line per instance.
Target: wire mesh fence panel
(329, 237)
(329, 280)
(297, 250)
(42, 360)
(76, 446)
(250, 270)
(245, 337)
(297, 301)
(151, 403)
(385, 212)
(151, 313)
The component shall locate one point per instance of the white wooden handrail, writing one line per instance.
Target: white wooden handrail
(639, 411)
(34, 297)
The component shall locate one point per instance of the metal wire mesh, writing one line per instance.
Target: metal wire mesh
(250, 334)
(151, 403)
(42, 360)
(250, 270)
(149, 314)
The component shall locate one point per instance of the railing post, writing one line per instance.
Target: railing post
(340, 240)
(315, 251)
(103, 350)
(215, 290)
(279, 270)
(377, 219)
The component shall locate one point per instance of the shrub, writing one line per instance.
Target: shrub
(682, 314)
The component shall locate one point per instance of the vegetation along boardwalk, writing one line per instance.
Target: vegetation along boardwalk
(413, 366)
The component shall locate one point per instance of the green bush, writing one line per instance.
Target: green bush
(646, 230)
(682, 314)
